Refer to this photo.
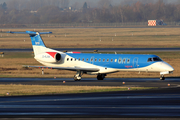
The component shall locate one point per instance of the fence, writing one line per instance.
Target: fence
(88, 25)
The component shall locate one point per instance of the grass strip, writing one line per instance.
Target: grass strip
(18, 90)
(97, 38)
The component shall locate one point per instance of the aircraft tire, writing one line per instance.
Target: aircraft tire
(100, 77)
(76, 79)
(162, 78)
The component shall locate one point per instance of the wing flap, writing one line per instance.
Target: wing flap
(65, 68)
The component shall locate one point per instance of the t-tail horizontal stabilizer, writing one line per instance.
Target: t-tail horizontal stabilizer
(37, 42)
(30, 32)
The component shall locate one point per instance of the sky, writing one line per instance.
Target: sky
(116, 1)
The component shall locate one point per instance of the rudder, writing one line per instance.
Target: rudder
(36, 39)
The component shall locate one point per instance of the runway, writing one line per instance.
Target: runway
(99, 49)
(138, 82)
(161, 102)
(149, 103)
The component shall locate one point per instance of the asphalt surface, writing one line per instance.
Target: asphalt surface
(161, 102)
(149, 103)
(99, 49)
(138, 82)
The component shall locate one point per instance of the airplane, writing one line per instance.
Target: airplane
(94, 63)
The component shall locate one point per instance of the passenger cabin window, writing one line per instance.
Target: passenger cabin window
(119, 61)
(107, 60)
(71, 59)
(103, 60)
(124, 60)
(99, 59)
(83, 59)
(128, 61)
(87, 59)
(111, 60)
(96, 60)
(79, 59)
(67, 59)
(91, 59)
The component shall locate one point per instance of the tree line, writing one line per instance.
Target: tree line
(57, 11)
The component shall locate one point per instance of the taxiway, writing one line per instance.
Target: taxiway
(138, 82)
(160, 102)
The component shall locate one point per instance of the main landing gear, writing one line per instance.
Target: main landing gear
(162, 77)
(78, 75)
(101, 76)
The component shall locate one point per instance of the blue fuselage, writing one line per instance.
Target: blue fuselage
(117, 61)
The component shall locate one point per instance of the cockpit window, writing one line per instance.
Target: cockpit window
(150, 60)
(157, 59)
(154, 59)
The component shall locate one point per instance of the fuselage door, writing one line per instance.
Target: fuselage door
(135, 63)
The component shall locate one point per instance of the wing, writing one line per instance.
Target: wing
(66, 68)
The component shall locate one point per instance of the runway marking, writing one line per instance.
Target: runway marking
(97, 98)
(94, 106)
(100, 114)
(152, 114)
(40, 113)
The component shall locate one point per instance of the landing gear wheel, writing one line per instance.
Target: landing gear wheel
(77, 77)
(101, 76)
(162, 77)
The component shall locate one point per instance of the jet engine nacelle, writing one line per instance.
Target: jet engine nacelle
(49, 57)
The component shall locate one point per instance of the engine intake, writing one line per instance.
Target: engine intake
(58, 57)
(49, 57)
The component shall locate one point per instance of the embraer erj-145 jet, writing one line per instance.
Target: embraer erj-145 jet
(94, 64)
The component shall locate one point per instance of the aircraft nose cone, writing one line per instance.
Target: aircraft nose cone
(167, 67)
(172, 69)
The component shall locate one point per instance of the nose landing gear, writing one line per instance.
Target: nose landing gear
(78, 75)
(162, 77)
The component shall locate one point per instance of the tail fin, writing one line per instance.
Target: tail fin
(36, 39)
(37, 42)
